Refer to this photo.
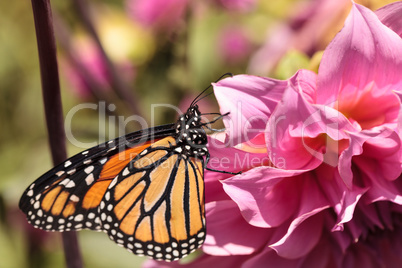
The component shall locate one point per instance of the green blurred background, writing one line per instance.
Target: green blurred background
(164, 52)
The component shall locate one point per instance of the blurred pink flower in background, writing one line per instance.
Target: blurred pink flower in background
(304, 32)
(85, 54)
(159, 15)
(320, 156)
(238, 5)
(85, 69)
(233, 45)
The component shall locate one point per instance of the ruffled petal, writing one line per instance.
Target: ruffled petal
(343, 200)
(228, 233)
(301, 238)
(358, 77)
(390, 15)
(227, 159)
(249, 100)
(268, 258)
(201, 262)
(297, 132)
(380, 153)
(266, 196)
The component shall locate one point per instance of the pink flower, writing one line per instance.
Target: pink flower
(306, 31)
(159, 15)
(321, 159)
(86, 70)
(85, 57)
(234, 46)
(238, 5)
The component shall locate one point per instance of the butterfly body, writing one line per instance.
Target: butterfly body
(145, 190)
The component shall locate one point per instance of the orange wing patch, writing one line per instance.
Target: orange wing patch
(125, 204)
(49, 198)
(117, 162)
(95, 194)
(59, 203)
(160, 229)
(69, 209)
(143, 232)
(159, 177)
(177, 218)
(196, 199)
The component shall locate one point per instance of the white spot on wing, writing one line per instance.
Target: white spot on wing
(126, 171)
(114, 181)
(71, 172)
(89, 179)
(71, 184)
(74, 198)
(36, 205)
(89, 169)
(79, 217)
(65, 182)
(87, 161)
(67, 163)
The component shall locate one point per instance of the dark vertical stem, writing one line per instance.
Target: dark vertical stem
(53, 107)
(118, 83)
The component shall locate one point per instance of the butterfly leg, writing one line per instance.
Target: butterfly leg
(215, 170)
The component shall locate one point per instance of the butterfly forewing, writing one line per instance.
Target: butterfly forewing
(155, 206)
(67, 197)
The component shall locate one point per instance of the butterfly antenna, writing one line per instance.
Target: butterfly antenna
(215, 129)
(199, 95)
(211, 114)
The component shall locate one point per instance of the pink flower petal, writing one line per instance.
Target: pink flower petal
(297, 132)
(268, 258)
(358, 75)
(227, 159)
(324, 254)
(249, 100)
(228, 233)
(300, 239)
(342, 199)
(390, 15)
(381, 155)
(200, 262)
(382, 190)
(266, 196)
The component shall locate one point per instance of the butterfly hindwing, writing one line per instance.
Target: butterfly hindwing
(155, 206)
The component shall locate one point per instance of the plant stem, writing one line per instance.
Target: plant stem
(53, 107)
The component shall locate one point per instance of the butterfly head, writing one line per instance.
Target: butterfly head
(191, 136)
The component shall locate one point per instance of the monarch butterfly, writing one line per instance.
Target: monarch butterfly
(145, 190)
